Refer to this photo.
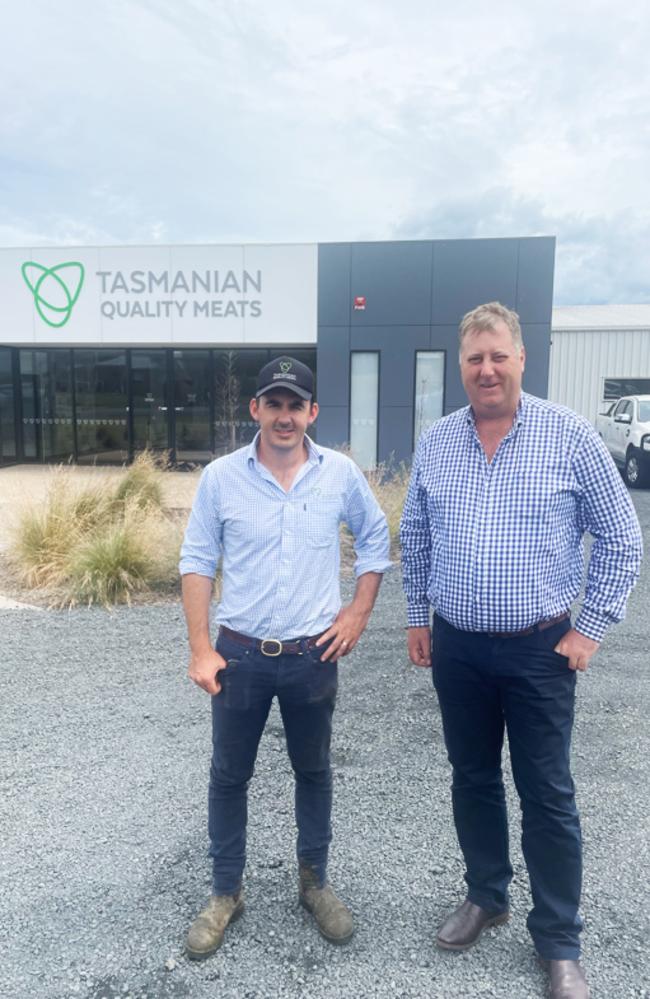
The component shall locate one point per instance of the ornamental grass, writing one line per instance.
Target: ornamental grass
(98, 544)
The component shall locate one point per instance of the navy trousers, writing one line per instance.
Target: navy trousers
(485, 685)
(306, 691)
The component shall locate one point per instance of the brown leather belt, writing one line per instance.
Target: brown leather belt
(540, 626)
(271, 646)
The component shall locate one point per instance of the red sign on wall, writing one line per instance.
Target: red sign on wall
(359, 303)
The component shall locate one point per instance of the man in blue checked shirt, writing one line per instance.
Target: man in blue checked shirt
(271, 512)
(500, 496)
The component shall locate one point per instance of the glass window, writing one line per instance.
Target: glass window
(46, 387)
(364, 400)
(102, 406)
(614, 388)
(7, 421)
(429, 388)
(235, 373)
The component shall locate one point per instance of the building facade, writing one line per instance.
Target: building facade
(598, 354)
(105, 351)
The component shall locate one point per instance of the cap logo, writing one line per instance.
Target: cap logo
(285, 366)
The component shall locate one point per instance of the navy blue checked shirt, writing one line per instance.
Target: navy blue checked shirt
(497, 546)
(280, 550)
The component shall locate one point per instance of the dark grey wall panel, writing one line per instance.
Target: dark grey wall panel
(333, 426)
(467, 273)
(535, 279)
(395, 433)
(334, 301)
(333, 365)
(537, 341)
(395, 279)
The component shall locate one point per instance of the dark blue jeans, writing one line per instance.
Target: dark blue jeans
(486, 684)
(306, 693)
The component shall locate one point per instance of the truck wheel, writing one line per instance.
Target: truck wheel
(633, 475)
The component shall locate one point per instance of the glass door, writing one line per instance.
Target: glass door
(150, 400)
(192, 421)
(102, 406)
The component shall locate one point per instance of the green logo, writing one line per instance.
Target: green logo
(55, 289)
(285, 366)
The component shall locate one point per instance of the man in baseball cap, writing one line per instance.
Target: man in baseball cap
(271, 513)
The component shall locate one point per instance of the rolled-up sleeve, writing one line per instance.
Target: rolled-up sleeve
(201, 548)
(368, 525)
(415, 539)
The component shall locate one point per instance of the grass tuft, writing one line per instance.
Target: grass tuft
(45, 536)
(108, 567)
(142, 481)
(99, 545)
(389, 483)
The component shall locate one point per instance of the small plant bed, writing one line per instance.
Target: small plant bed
(105, 543)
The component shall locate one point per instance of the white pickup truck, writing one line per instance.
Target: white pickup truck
(625, 429)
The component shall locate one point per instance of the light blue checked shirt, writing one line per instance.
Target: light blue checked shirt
(280, 549)
(498, 546)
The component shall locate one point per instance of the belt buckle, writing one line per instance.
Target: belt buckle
(265, 642)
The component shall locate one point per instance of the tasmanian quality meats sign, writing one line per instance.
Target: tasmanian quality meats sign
(221, 294)
(205, 293)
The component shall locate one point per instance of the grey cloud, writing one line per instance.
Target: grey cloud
(598, 259)
(198, 120)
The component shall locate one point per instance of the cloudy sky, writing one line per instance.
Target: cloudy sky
(138, 121)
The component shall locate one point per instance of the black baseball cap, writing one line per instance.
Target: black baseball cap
(286, 372)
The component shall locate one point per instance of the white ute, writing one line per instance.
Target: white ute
(625, 429)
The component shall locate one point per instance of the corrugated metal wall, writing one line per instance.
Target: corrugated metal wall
(582, 359)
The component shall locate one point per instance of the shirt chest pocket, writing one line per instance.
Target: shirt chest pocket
(320, 521)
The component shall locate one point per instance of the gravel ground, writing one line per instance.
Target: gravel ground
(105, 749)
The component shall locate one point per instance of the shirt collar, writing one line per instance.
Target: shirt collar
(315, 454)
(519, 417)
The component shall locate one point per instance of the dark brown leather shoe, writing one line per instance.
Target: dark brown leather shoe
(462, 929)
(567, 980)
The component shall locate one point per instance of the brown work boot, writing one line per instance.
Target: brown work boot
(463, 927)
(206, 932)
(333, 918)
